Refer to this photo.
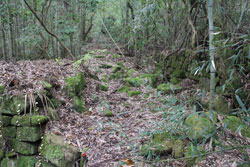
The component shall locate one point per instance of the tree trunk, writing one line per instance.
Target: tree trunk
(211, 54)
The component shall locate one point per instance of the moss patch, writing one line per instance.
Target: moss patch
(108, 113)
(79, 105)
(9, 131)
(124, 89)
(198, 127)
(221, 106)
(26, 161)
(103, 87)
(75, 84)
(5, 120)
(168, 88)
(135, 82)
(233, 123)
(24, 148)
(58, 152)
(30, 134)
(2, 88)
(134, 93)
(13, 106)
(106, 66)
(27, 120)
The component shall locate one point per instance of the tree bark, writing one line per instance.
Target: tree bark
(211, 54)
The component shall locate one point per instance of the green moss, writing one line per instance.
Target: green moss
(42, 163)
(135, 82)
(124, 89)
(26, 161)
(192, 155)
(9, 131)
(106, 66)
(1, 154)
(27, 120)
(134, 93)
(233, 123)
(59, 153)
(121, 65)
(75, 84)
(118, 75)
(30, 134)
(108, 113)
(2, 88)
(105, 78)
(198, 127)
(9, 162)
(131, 71)
(103, 87)
(174, 80)
(46, 85)
(54, 102)
(178, 149)
(115, 56)
(24, 148)
(168, 88)
(79, 105)
(13, 106)
(5, 120)
(161, 144)
(116, 69)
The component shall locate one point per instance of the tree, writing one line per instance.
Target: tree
(211, 54)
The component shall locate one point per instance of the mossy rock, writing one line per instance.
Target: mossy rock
(103, 87)
(5, 120)
(24, 148)
(26, 161)
(106, 66)
(9, 162)
(178, 74)
(124, 89)
(30, 134)
(178, 149)
(160, 145)
(29, 120)
(13, 106)
(75, 84)
(134, 93)
(233, 123)
(168, 88)
(59, 153)
(134, 82)
(2, 88)
(10, 131)
(53, 114)
(221, 106)
(109, 113)
(43, 163)
(193, 155)
(79, 105)
(198, 127)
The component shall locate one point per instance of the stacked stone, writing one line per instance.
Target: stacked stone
(22, 133)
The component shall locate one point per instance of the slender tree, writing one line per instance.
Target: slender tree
(211, 54)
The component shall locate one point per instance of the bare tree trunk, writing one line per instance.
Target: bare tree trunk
(5, 53)
(211, 53)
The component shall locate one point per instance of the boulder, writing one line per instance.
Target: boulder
(199, 127)
(75, 84)
(58, 152)
(5, 120)
(24, 148)
(13, 106)
(10, 131)
(30, 134)
(233, 123)
(27, 120)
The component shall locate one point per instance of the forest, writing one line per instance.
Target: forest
(124, 83)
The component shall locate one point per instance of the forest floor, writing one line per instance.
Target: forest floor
(109, 140)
